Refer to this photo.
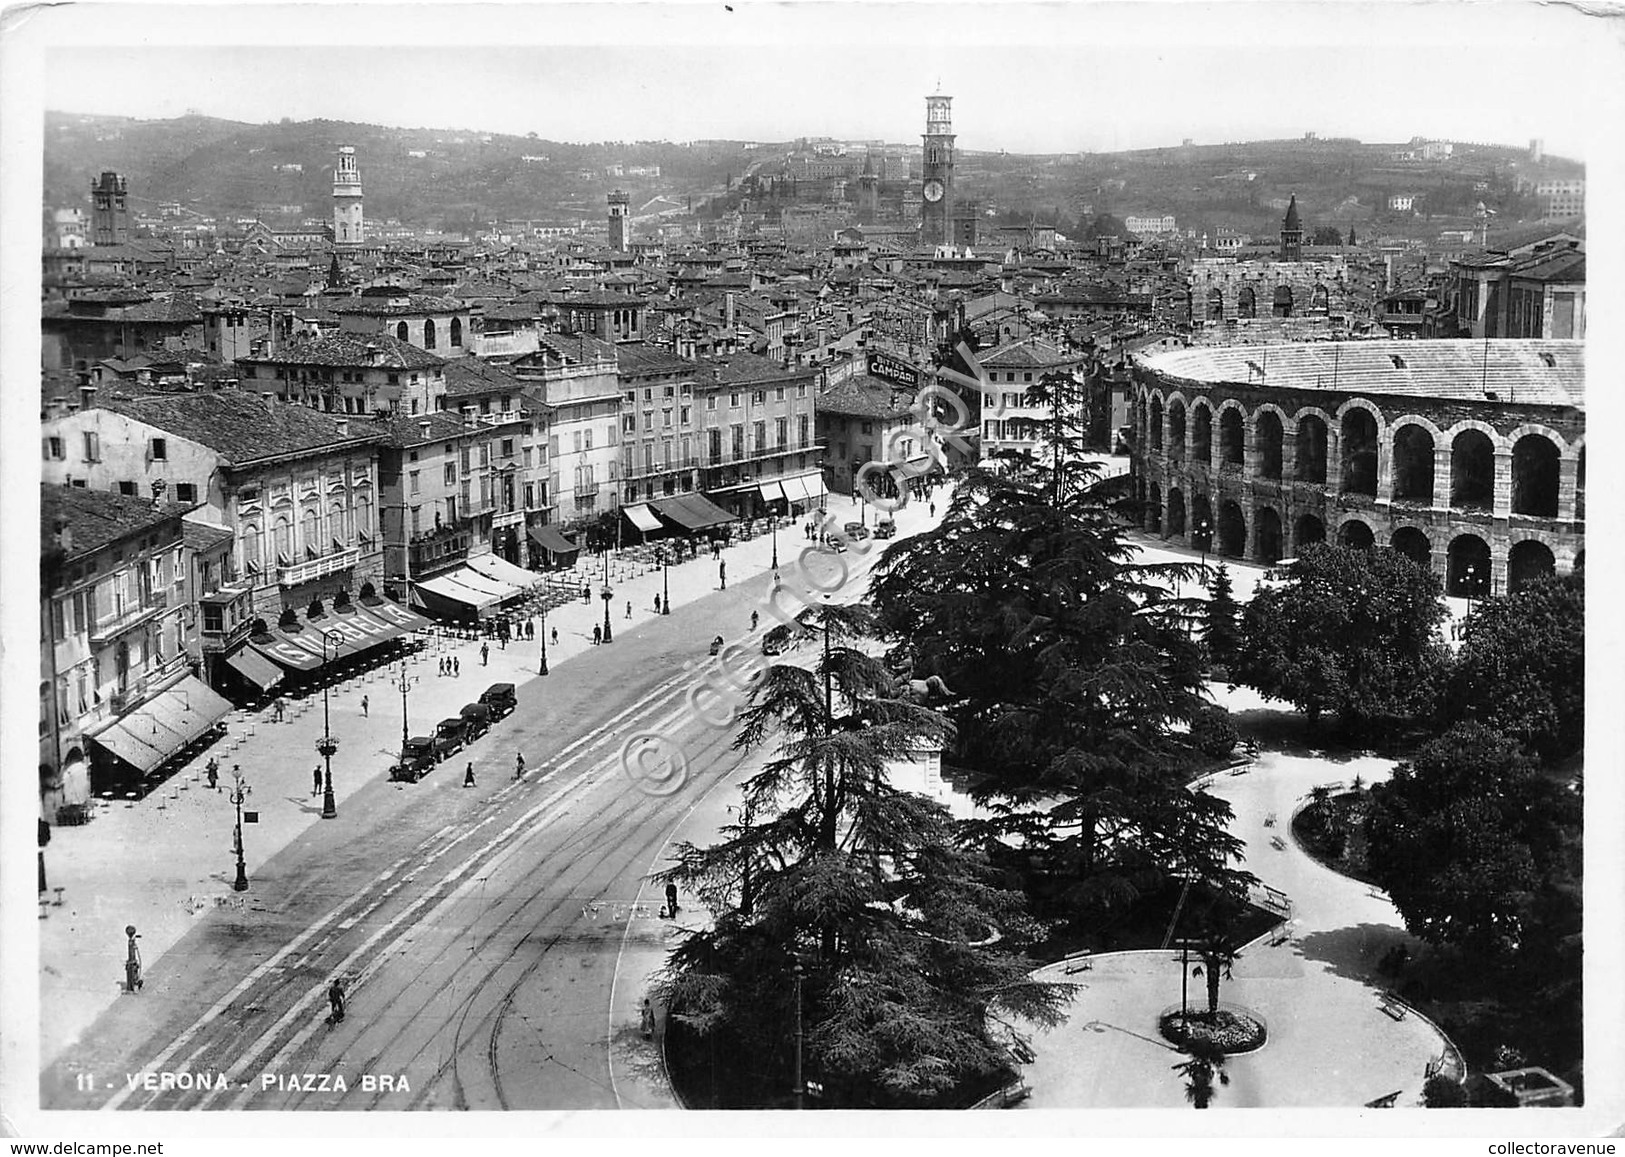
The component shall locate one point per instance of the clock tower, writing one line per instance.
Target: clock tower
(937, 172)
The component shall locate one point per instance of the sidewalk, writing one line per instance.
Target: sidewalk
(161, 862)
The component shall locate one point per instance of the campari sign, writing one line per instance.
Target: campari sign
(893, 369)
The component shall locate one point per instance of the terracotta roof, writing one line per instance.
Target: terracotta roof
(638, 358)
(1025, 353)
(240, 426)
(864, 397)
(399, 305)
(96, 518)
(574, 348)
(349, 350)
(401, 430)
(477, 376)
(743, 368)
(202, 536)
(1515, 369)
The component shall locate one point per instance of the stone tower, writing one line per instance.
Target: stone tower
(937, 172)
(868, 191)
(1292, 233)
(349, 228)
(109, 211)
(619, 203)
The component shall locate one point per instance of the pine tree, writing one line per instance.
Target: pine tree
(1222, 635)
(863, 886)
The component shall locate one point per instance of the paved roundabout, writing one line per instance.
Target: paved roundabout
(1332, 1042)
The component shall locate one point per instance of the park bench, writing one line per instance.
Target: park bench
(1392, 1006)
(1081, 963)
(1385, 1102)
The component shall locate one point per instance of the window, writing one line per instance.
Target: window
(186, 492)
(759, 435)
(778, 394)
(417, 519)
(783, 432)
(507, 447)
(759, 397)
(400, 335)
(868, 427)
(586, 439)
(53, 449)
(801, 430)
(733, 400)
(671, 391)
(456, 331)
(127, 488)
(801, 390)
(93, 446)
(648, 395)
(666, 419)
(485, 453)
(428, 334)
(648, 419)
(684, 417)
(711, 402)
(632, 396)
(578, 441)
(415, 486)
(450, 474)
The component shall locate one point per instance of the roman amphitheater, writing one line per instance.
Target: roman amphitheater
(1466, 456)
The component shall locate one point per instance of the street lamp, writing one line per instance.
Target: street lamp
(239, 792)
(327, 745)
(405, 684)
(1471, 575)
(801, 1086)
(542, 666)
(609, 632)
(773, 525)
(665, 584)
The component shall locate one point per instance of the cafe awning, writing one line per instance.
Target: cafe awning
(447, 588)
(805, 487)
(504, 571)
(693, 511)
(771, 491)
(386, 611)
(255, 668)
(160, 727)
(642, 517)
(549, 537)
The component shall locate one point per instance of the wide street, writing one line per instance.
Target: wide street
(494, 941)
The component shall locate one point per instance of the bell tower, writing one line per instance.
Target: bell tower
(620, 202)
(1292, 233)
(937, 172)
(348, 227)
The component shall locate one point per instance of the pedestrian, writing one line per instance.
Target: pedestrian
(335, 997)
(276, 711)
(597, 635)
(671, 900)
(530, 629)
(657, 603)
(212, 770)
(442, 666)
(316, 781)
(485, 654)
(586, 594)
(468, 776)
(933, 510)
(364, 711)
(518, 766)
(754, 619)
(722, 574)
(555, 636)
(629, 608)
(647, 1019)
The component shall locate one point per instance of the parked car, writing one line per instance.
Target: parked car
(478, 718)
(450, 736)
(499, 697)
(856, 531)
(885, 528)
(777, 641)
(418, 757)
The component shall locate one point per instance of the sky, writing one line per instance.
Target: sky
(1024, 77)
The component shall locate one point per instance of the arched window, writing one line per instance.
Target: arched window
(1176, 429)
(1359, 453)
(1232, 530)
(1230, 438)
(456, 331)
(1215, 305)
(428, 334)
(310, 531)
(1283, 301)
(1413, 463)
(1201, 522)
(251, 548)
(1356, 534)
(1308, 531)
(1467, 573)
(1202, 438)
(1414, 545)
(401, 331)
(1527, 561)
(1154, 424)
(1534, 476)
(1267, 434)
(1320, 300)
(363, 516)
(1310, 456)
(1247, 302)
(282, 540)
(1176, 511)
(1269, 534)
(1472, 471)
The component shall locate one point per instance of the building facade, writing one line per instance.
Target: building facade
(1467, 457)
(574, 378)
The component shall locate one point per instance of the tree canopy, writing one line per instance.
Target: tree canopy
(1349, 632)
(1521, 666)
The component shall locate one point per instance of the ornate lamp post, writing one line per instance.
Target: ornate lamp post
(773, 525)
(1471, 575)
(665, 583)
(327, 745)
(405, 684)
(609, 636)
(801, 1086)
(239, 792)
(542, 666)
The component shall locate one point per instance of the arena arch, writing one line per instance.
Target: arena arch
(1355, 533)
(1247, 302)
(1176, 428)
(1201, 522)
(1267, 528)
(1202, 433)
(1307, 531)
(1359, 444)
(1414, 545)
(1176, 511)
(1215, 304)
(1527, 561)
(1412, 459)
(1154, 423)
(1309, 459)
(1232, 439)
(1467, 569)
(1535, 476)
(1153, 508)
(1320, 300)
(1283, 301)
(1472, 470)
(1267, 437)
(1580, 483)
(1232, 529)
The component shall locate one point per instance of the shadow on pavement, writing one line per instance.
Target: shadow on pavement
(1354, 952)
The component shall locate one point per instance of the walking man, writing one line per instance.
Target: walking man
(485, 654)
(364, 711)
(629, 608)
(754, 619)
(555, 636)
(456, 666)
(468, 776)
(335, 997)
(212, 770)
(597, 635)
(277, 710)
(657, 603)
(518, 766)
(647, 1019)
(316, 781)
(671, 900)
(722, 574)
(586, 594)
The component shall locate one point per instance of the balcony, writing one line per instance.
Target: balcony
(304, 572)
(583, 489)
(157, 602)
(438, 550)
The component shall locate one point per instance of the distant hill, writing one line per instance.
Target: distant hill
(455, 178)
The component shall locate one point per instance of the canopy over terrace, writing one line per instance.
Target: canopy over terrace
(148, 735)
(560, 550)
(355, 630)
(692, 512)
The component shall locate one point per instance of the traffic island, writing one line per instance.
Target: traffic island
(1230, 1029)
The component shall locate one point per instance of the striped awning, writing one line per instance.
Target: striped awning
(160, 727)
(642, 517)
(772, 491)
(255, 668)
(502, 570)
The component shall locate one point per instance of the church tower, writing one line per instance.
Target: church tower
(619, 204)
(348, 226)
(109, 213)
(937, 190)
(868, 191)
(1292, 233)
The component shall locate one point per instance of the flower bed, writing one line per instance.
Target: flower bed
(1233, 1030)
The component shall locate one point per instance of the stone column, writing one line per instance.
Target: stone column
(1503, 484)
(1441, 477)
(1568, 470)
(1289, 454)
